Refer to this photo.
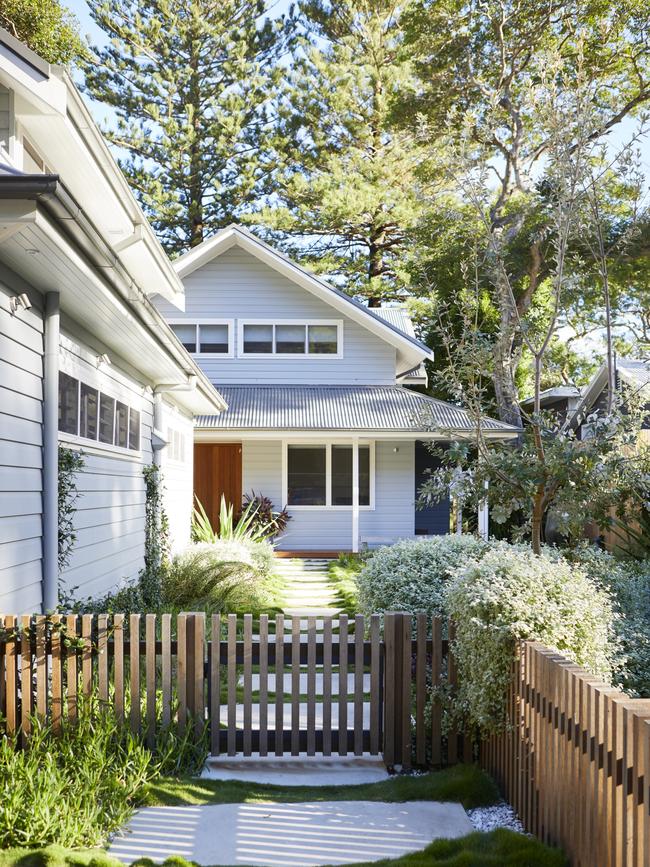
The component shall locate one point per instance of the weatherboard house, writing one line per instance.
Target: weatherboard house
(321, 416)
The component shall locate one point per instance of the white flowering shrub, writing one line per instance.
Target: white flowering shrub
(628, 582)
(511, 594)
(411, 575)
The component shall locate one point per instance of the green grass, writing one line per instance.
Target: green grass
(499, 848)
(342, 574)
(466, 784)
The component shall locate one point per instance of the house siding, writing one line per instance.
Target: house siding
(109, 514)
(331, 530)
(6, 119)
(177, 477)
(21, 415)
(238, 286)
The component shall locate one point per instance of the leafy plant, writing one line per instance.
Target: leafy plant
(70, 463)
(245, 527)
(200, 576)
(266, 515)
(510, 594)
(411, 575)
(71, 788)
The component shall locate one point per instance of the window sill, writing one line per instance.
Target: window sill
(329, 508)
(96, 448)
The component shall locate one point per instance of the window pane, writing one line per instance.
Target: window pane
(342, 475)
(290, 338)
(106, 417)
(122, 425)
(187, 335)
(134, 430)
(89, 411)
(258, 338)
(213, 338)
(306, 471)
(68, 403)
(323, 339)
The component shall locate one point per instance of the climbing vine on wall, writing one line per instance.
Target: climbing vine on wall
(156, 550)
(70, 463)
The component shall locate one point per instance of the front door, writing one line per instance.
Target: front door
(217, 473)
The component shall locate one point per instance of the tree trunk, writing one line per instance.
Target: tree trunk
(537, 519)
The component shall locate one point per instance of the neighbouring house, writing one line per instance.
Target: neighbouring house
(320, 414)
(561, 400)
(86, 360)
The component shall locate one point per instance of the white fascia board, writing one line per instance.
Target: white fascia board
(54, 116)
(209, 435)
(410, 351)
(143, 345)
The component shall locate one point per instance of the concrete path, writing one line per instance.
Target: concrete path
(289, 835)
(298, 770)
(308, 590)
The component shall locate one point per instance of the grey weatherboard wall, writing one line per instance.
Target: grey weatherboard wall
(236, 285)
(21, 396)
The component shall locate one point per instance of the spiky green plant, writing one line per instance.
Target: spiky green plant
(245, 528)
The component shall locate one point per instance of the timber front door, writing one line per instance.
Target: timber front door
(217, 473)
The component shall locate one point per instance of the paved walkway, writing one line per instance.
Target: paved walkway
(308, 589)
(316, 770)
(289, 835)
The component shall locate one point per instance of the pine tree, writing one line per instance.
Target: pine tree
(191, 84)
(347, 194)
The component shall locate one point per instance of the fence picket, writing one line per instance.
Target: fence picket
(436, 675)
(232, 684)
(343, 685)
(295, 686)
(166, 668)
(72, 677)
(102, 657)
(150, 676)
(358, 683)
(181, 671)
(11, 674)
(327, 686)
(56, 682)
(311, 686)
(118, 665)
(26, 688)
(279, 685)
(264, 684)
(420, 688)
(248, 684)
(134, 672)
(406, 692)
(375, 683)
(215, 685)
(87, 655)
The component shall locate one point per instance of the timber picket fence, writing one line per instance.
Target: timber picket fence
(574, 761)
(288, 685)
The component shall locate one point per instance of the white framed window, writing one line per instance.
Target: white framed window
(88, 414)
(319, 475)
(212, 337)
(290, 338)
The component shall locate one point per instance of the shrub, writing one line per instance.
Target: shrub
(73, 788)
(511, 594)
(411, 575)
(628, 582)
(225, 575)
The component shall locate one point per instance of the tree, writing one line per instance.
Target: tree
(45, 26)
(480, 62)
(192, 84)
(550, 470)
(348, 190)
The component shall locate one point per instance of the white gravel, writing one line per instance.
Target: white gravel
(498, 816)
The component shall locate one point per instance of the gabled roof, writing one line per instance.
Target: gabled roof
(634, 372)
(364, 408)
(410, 351)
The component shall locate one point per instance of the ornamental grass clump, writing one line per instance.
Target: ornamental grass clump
(73, 788)
(412, 574)
(512, 594)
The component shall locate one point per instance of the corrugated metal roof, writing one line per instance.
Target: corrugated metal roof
(398, 317)
(634, 370)
(330, 408)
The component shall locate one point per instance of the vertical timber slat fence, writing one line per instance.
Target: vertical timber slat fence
(317, 685)
(574, 761)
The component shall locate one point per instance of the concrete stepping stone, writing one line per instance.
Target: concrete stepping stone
(318, 770)
(288, 835)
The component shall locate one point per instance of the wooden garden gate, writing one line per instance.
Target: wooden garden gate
(299, 686)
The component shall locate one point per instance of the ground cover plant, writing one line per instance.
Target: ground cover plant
(500, 848)
(466, 784)
(72, 788)
(343, 574)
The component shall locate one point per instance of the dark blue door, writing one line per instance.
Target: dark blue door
(434, 520)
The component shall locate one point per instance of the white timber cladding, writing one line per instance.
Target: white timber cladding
(177, 464)
(326, 528)
(109, 519)
(6, 120)
(21, 416)
(237, 286)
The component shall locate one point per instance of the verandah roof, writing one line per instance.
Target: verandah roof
(380, 408)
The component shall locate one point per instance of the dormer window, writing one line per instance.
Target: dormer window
(287, 337)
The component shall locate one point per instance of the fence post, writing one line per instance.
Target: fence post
(397, 690)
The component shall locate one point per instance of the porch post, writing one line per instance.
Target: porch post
(355, 496)
(484, 517)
